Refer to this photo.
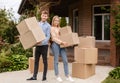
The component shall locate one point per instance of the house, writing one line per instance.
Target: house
(87, 17)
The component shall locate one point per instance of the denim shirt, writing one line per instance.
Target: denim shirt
(46, 29)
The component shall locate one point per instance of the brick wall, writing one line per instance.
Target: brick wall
(85, 21)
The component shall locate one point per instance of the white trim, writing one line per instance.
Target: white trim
(102, 14)
(74, 10)
(102, 40)
(102, 27)
(101, 5)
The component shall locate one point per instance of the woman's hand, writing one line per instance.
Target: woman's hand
(64, 43)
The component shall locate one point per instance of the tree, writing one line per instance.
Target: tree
(8, 29)
(63, 22)
(116, 25)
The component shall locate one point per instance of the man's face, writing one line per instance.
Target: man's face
(44, 17)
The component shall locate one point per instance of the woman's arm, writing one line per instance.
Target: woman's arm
(54, 37)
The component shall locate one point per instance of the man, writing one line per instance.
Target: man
(42, 48)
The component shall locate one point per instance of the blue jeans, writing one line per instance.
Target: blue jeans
(57, 51)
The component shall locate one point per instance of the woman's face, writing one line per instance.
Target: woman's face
(56, 22)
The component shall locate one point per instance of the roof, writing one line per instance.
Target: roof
(58, 7)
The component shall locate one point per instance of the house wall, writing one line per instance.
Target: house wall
(85, 24)
(85, 14)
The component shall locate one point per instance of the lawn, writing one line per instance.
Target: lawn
(111, 80)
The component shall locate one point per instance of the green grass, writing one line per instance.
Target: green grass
(111, 80)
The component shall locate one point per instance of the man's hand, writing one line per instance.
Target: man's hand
(38, 43)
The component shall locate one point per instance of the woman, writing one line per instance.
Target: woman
(57, 51)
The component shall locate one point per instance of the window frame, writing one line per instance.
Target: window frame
(74, 10)
(93, 18)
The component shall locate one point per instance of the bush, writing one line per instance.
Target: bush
(13, 57)
(111, 80)
(115, 73)
(63, 22)
(13, 63)
(5, 63)
(114, 76)
(116, 26)
(14, 49)
(19, 62)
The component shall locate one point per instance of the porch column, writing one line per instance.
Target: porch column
(113, 53)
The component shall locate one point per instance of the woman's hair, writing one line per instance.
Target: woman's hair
(53, 19)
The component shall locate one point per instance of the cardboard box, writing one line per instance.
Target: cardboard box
(87, 42)
(28, 25)
(65, 30)
(71, 39)
(82, 71)
(41, 66)
(31, 38)
(86, 55)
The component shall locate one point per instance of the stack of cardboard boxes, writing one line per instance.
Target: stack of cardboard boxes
(30, 32)
(30, 35)
(85, 56)
(68, 36)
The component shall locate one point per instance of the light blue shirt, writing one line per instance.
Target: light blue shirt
(46, 29)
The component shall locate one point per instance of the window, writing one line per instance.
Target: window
(101, 22)
(75, 21)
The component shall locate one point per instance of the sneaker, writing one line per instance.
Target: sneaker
(59, 79)
(70, 79)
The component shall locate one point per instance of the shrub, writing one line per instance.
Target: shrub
(19, 62)
(115, 73)
(63, 22)
(5, 63)
(114, 76)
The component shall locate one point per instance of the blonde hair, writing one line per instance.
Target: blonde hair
(53, 19)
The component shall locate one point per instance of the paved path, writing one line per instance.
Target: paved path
(21, 76)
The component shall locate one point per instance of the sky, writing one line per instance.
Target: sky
(8, 4)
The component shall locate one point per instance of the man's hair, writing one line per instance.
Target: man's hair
(45, 12)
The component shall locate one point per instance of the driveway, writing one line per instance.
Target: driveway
(21, 76)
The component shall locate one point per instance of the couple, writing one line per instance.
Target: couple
(42, 48)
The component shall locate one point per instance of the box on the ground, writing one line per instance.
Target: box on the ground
(31, 38)
(71, 39)
(41, 66)
(86, 55)
(82, 71)
(87, 42)
(28, 25)
(65, 30)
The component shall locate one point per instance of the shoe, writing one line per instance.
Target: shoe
(59, 79)
(44, 79)
(70, 79)
(32, 78)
